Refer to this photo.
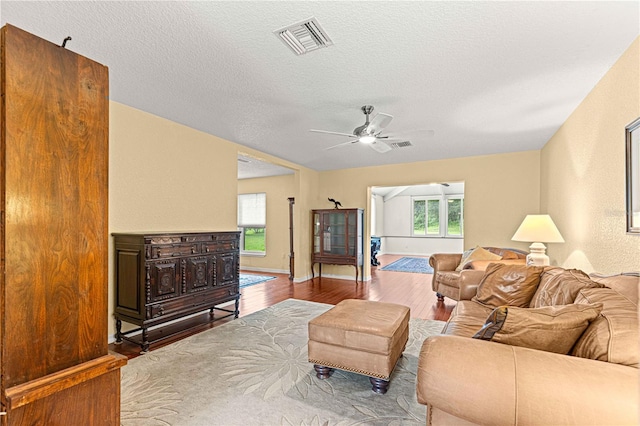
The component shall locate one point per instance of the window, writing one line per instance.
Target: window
(252, 219)
(426, 216)
(455, 224)
(438, 216)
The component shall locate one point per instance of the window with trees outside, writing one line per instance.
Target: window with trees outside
(438, 216)
(252, 222)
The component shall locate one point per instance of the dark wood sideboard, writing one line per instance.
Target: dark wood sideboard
(162, 277)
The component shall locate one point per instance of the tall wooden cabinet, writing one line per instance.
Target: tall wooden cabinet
(162, 277)
(56, 368)
(337, 238)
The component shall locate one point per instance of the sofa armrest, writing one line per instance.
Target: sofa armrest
(491, 383)
(445, 261)
(469, 280)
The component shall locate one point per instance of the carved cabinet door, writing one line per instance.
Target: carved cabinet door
(199, 273)
(227, 268)
(164, 280)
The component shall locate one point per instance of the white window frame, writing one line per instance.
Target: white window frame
(446, 215)
(426, 200)
(443, 228)
(252, 219)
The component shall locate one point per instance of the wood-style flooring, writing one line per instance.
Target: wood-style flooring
(409, 289)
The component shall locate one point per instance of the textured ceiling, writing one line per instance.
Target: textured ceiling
(486, 77)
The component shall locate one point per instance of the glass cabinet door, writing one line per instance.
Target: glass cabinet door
(352, 233)
(334, 237)
(316, 233)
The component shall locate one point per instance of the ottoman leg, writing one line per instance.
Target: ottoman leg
(379, 385)
(440, 297)
(322, 372)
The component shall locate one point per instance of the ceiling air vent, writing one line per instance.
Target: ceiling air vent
(398, 145)
(304, 36)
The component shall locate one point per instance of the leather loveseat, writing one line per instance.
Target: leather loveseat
(565, 351)
(458, 279)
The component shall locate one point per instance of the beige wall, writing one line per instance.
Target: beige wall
(278, 189)
(499, 191)
(583, 175)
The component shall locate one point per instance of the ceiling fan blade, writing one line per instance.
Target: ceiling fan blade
(342, 144)
(379, 122)
(380, 146)
(332, 133)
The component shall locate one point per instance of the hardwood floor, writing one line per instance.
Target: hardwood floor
(409, 289)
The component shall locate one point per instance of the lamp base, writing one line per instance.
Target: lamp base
(537, 257)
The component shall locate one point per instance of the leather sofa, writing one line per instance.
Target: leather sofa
(464, 379)
(461, 284)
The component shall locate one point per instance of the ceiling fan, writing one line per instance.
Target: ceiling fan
(368, 133)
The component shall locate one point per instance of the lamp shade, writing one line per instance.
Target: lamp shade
(538, 228)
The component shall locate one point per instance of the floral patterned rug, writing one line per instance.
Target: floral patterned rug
(417, 265)
(254, 371)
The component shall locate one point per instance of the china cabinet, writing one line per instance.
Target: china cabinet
(337, 238)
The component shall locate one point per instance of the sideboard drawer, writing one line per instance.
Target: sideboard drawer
(220, 246)
(174, 250)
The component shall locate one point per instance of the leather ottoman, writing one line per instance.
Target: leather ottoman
(361, 336)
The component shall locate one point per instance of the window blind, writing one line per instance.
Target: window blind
(252, 210)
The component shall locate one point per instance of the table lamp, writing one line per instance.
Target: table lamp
(538, 229)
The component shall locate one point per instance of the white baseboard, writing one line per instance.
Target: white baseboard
(272, 271)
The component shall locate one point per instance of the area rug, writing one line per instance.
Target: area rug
(247, 280)
(254, 371)
(419, 265)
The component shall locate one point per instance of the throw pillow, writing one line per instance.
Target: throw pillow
(550, 328)
(477, 253)
(508, 284)
(559, 286)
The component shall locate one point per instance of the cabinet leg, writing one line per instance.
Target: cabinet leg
(145, 341)
(118, 331)
(237, 310)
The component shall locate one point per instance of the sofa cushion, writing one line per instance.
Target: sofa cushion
(508, 284)
(559, 286)
(477, 253)
(550, 328)
(613, 336)
(466, 319)
(627, 284)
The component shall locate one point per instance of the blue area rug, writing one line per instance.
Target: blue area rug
(418, 265)
(247, 280)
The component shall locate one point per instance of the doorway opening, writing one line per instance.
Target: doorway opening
(418, 220)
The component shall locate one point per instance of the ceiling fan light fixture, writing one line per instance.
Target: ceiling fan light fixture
(367, 139)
